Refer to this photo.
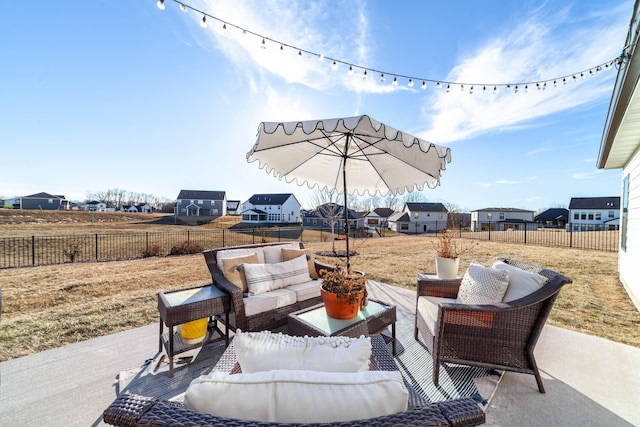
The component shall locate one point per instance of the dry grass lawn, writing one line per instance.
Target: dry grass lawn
(50, 306)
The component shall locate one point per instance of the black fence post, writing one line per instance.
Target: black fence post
(489, 226)
(570, 236)
(33, 250)
(96, 246)
(525, 233)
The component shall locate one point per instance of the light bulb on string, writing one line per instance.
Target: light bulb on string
(555, 83)
(516, 89)
(581, 76)
(544, 86)
(395, 81)
(364, 75)
(564, 81)
(410, 84)
(526, 88)
(203, 21)
(350, 70)
(461, 88)
(160, 4)
(538, 86)
(183, 7)
(281, 48)
(382, 77)
(439, 85)
(300, 54)
(334, 66)
(424, 85)
(471, 89)
(263, 45)
(484, 89)
(320, 57)
(495, 89)
(448, 88)
(224, 29)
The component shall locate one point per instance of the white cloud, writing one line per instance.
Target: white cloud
(507, 182)
(586, 175)
(546, 45)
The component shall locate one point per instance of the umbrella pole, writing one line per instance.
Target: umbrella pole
(346, 211)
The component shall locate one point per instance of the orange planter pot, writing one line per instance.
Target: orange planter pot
(341, 308)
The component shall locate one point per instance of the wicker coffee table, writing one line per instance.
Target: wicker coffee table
(314, 321)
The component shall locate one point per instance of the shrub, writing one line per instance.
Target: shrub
(186, 248)
(153, 250)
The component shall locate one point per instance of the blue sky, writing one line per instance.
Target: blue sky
(104, 94)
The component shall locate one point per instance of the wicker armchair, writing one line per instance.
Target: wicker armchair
(135, 410)
(501, 336)
(271, 319)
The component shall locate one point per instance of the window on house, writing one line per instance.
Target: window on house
(416, 215)
(489, 215)
(583, 216)
(404, 226)
(440, 215)
(200, 202)
(590, 216)
(598, 216)
(612, 214)
(191, 201)
(501, 215)
(576, 216)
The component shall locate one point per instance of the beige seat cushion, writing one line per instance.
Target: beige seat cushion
(306, 290)
(254, 304)
(428, 310)
(288, 254)
(235, 275)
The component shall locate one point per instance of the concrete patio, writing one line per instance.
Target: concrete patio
(589, 381)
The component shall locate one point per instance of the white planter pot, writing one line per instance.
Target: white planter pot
(447, 268)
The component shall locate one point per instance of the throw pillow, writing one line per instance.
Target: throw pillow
(289, 254)
(264, 351)
(521, 282)
(286, 396)
(235, 276)
(273, 253)
(482, 285)
(263, 278)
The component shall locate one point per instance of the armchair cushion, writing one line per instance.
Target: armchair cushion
(265, 351)
(299, 396)
(521, 282)
(273, 254)
(482, 285)
(235, 276)
(234, 253)
(268, 302)
(263, 278)
(428, 310)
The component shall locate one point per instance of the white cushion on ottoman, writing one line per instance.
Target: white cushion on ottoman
(298, 396)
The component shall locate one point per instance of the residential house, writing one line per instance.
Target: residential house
(620, 149)
(143, 207)
(233, 207)
(323, 215)
(378, 218)
(41, 201)
(552, 218)
(272, 209)
(419, 218)
(95, 206)
(594, 213)
(502, 219)
(201, 203)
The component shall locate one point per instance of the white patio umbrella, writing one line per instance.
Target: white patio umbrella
(349, 154)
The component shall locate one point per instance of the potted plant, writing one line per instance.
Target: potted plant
(343, 292)
(448, 253)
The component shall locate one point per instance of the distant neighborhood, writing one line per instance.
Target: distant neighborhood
(583, 214)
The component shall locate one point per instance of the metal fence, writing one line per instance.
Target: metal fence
(532, 234)
(43, 250)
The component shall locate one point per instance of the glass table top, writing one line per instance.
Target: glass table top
(318, 317)
(189, 296)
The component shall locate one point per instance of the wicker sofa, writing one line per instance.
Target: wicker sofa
(500, 336)
(272, 318)
(135, 410)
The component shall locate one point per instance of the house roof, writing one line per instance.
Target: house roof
(400, 217)
(621, 136)
(384, 212)
(201, 195)
(426, 207)
(551, 214)
(594, 203)
(501, 210)
(269, 199)
(43, 196)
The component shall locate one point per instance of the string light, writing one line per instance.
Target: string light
(364, 75)
(618, 62)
